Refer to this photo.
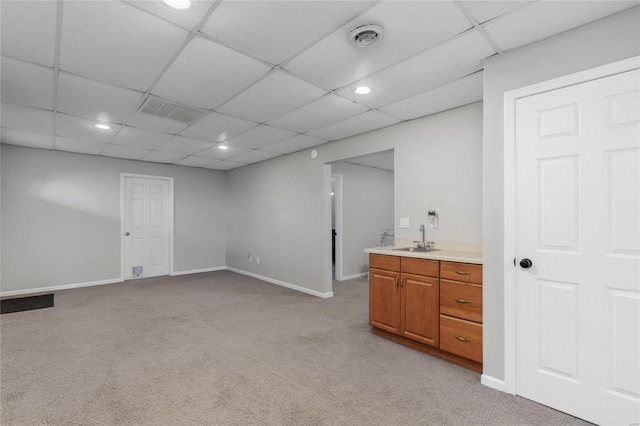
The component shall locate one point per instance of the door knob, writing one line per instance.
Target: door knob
(126, 234)
(526, 263)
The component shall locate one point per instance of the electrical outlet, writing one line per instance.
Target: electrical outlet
(258, 260)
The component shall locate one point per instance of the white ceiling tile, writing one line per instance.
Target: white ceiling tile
(138, 138)
(150, 122)
(547, 18)
(28, 139)
(162, 157)
(447, 62)
(259, 136)
(410, 27)
(324, 111)
(29, 119)
(195, 161)
(26, 84)
(220, 154)
(254, 156)
(274, 95)
(78, 146)
(81, 128)
(187, 146)
(296, 143)
(225, 165)
(97, 101)
(207, 74)
(366, 122)
(462, 92)
(100, 39)
(185, 18)
(486, 10)
(217, 127)
(275, 30)
(125, 152)
(28, 30)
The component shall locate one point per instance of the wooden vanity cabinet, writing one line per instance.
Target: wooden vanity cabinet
(429, 305)
(403, 297)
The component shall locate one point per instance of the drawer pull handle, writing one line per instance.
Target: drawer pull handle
(463, 272)
(462, 339)
(461, 300)
(397, 281)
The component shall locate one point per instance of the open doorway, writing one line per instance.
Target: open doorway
(362, 211)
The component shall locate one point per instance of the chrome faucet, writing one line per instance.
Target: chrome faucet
(426, 245)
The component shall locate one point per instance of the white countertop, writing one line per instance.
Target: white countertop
(445, 254)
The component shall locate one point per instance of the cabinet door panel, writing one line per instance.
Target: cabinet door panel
(419, 309)
(384, 300)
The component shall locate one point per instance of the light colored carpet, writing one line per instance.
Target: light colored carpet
(224, 349)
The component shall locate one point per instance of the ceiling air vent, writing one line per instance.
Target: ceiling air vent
(366, 35)
(165, 109)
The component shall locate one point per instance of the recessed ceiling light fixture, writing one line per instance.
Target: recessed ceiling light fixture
(362, 90)
(178, 4)
(102, 126)
(366, 35)
(223, 147)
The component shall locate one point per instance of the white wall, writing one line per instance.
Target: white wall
(367, 207)
(281, 208)
(605, 41)
(61, 217)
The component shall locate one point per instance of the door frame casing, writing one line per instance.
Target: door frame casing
(509, 208)
(338, 225)
(123, 177)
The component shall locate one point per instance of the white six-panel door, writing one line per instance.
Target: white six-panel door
(146, 225)
(578, 222)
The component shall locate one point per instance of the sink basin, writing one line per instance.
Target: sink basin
(417, 249)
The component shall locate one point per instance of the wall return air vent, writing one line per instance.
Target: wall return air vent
(165, 109)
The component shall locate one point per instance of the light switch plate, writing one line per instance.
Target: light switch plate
(404, 222)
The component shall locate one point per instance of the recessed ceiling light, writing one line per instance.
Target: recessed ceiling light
(223, 147)
(362, 90)
(178, 4)
(102, 126)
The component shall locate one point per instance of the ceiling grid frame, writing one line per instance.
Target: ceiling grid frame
(194, 28)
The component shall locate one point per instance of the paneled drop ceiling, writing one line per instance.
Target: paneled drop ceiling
(265, 78)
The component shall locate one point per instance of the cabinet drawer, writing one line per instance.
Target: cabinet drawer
(424, 267)
(460, 337)
(466, 272)
(380, 261)
(461, 300)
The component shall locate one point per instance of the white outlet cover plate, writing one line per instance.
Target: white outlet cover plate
(404, 222)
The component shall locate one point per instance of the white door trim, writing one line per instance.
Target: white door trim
(123, 176)
(338, 224)
(509, 270)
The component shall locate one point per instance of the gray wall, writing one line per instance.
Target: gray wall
(61, 217)
(281, 208)
(367, 207)
(608, 40)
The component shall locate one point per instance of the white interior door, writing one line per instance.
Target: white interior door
(147, 226)
(578, 221)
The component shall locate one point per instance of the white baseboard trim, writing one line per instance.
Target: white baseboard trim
(198, 271)
(58, 287)
(493, 383)
(354, 276)
(282, 283)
